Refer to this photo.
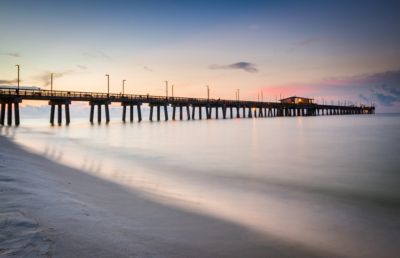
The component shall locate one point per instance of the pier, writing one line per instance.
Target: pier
(182, 108)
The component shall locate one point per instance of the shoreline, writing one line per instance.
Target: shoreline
(51, 210)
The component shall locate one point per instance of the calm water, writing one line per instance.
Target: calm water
(327, 182)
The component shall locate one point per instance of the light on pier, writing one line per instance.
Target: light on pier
(18, 68)
(108, 84)
(51, 82)
(123, 87)
(166, 89)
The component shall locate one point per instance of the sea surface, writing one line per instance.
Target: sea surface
(331, 182)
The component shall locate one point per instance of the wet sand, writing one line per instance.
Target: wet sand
(51, 210)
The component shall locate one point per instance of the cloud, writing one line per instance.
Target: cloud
(304, 43)
(45, 76)
(147, 68)
(308, 41)
(386, 95)
(245, 66)
(363, 98)
(382, 88)
(83, 67)
(10, 54)
(7, 82)
(386, 100)
(97, 55)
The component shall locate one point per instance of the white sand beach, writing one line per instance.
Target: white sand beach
(51, 210)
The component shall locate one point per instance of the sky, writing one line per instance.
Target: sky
(328, 50)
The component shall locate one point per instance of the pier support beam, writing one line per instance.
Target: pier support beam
(173, 112)
(124, 113)
(2, 113)
(91, 114)
(67, 115)
(139, 111)
(131, 105)
(16, 113)
(99, 116)
(200, 112)
(193, 112)
(151, 113)
(250, 115)
(224, 112)
(166, 112)
(9, 113)
(187, 107)
(59, 114)
(99, 113)
(131, 113)
(158, 113)
(188, 112)
(107, 113)
(59, 103)
(278, 112)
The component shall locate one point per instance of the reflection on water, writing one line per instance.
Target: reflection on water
(327, 182)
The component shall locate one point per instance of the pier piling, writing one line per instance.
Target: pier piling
(2, 113)
(188, 112)
(200, 112)
(6, 110)
(151, 113)
(166, 112)
(99, 112)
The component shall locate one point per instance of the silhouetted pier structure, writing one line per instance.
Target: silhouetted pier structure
(186, 107)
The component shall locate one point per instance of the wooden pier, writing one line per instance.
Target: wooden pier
(186, 107)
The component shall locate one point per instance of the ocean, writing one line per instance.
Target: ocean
(331, 182)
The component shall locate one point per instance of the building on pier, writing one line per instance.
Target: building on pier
(296, 100)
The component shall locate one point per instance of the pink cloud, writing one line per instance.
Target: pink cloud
(381, 88)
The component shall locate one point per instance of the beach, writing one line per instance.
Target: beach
(51, 210)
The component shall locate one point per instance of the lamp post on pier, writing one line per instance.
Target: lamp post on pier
(208, 93)
(108, 85)
(166, 89)
(18, 67)
(123, 87)
(172, 88)
(51, 82)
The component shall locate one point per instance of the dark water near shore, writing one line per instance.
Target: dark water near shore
(328, 182)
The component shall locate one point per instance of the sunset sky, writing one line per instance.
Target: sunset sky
(331, 50)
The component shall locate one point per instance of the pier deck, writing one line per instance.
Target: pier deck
(10, 98)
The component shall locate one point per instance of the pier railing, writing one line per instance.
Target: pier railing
(112, 97)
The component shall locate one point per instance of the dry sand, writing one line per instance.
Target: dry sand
(51, 210)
